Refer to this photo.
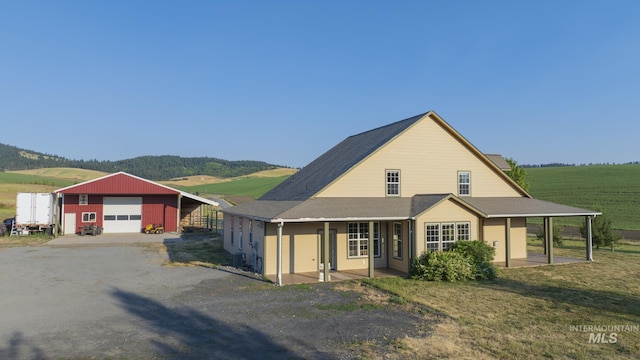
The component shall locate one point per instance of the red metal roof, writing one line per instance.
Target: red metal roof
(119, 183)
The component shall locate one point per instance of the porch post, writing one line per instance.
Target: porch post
(370, 247)
(507, 242)
(279, 256)
(589, 239)
(545, 239)
(549, 236)
(326, 238)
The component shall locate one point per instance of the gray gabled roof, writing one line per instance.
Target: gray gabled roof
(337, 161)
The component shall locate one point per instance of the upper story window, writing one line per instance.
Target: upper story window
(393, 182)
(464, 183)
(83, 199)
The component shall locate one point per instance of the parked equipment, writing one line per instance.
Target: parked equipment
(92, 230)
(154, 229)
(35, 212)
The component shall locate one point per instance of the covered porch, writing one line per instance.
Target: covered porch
(513, 208)
(318, 276)
(535, 259)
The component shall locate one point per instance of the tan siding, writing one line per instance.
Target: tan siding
(400, 264)
(494, 230)
(518, 238)
(429, 159)
(445, 212)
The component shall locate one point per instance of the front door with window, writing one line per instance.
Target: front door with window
(332, 248)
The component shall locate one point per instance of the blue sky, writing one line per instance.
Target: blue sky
(284, 81)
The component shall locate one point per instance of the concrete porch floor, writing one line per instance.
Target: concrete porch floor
(534, 259)
(314, 276)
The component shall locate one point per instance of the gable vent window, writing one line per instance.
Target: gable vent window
(393, 182)
(464, 183)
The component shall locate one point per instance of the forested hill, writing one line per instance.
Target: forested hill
(149, 167)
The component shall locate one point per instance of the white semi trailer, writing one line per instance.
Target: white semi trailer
(36, 212)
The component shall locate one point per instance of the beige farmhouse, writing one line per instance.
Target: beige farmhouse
(381, 198)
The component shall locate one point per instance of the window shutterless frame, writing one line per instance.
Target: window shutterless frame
(392, 182)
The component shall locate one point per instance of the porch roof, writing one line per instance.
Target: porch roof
(502, 207)
(326, 209)
(397, 208)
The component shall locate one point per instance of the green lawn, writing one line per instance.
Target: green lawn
(528, 313)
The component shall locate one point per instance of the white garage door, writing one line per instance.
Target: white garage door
(122, 214)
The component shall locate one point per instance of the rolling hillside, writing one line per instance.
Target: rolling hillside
(162, 167)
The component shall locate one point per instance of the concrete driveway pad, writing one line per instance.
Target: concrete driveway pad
(120, 301)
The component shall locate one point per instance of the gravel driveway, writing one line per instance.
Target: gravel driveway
(119, 301)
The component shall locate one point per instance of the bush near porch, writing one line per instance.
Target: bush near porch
(467, 260)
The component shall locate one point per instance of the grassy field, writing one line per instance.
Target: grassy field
(245, 186)
(76, 175)
(614, 189)
(13, 183)
(528, 313)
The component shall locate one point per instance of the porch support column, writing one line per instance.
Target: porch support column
(279, 255)
(507, 242)
(545, 243)
(370, 252)
(589, 239)
(549, 238)
(326, 267)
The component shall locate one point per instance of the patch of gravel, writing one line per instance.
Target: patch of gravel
(120, 302)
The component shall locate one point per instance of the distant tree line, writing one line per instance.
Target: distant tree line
(564, 164)
(149, 167)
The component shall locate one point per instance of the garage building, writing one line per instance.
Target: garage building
(124, 203)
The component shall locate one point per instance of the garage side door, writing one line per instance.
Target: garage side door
(122, 214)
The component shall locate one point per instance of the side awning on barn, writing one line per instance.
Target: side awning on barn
(198, 212)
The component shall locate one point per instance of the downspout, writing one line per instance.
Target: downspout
(412, 245)
(279, 255)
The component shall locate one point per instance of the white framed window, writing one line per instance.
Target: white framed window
(89, 217)
(358, 235)
(432, 237)
(83, 199)
(464, 183)
(393, 182)
(442, 236)
(397, 240)
(448, 235)
(463, 231)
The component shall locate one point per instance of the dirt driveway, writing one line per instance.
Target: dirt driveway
(121, 301)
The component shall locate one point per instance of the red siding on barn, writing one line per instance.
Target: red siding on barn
(160, 209)
(71, 205)
(118, 184)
